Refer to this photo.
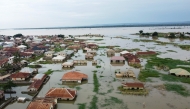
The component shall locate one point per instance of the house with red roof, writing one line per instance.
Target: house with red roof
(62, 93)
(21, 76)
(74, 77)
(133, 85)
(35, 86)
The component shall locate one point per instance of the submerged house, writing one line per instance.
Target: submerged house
(35, 86)
(68, 64)
(133, 86)
(110, 52)
(43, 103)
(58, 58)
(92, 46)
(89, 56)
(123, 53)
(74, 76)
(128, 73)
(62, 93)
(146, 53)
(179, 72)
(49, 54)
(117, 59)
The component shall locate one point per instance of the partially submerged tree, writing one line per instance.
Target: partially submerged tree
(155, 34)
(172, 35)
(8, 86)
(141, 31)
(18, 35)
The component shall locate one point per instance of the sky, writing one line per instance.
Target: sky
(63, 13)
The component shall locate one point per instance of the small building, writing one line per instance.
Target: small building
(62, 93)
(21, 76)
(58, 59)
(74, 76)
(128, 73)
(27, 70)
(68, 64)
(43, 103)
(133, 86)
(89, 56)
(179, 72)
(49, 54)
(117, 59)
(63, 46)
(61, 53)
(21, 99)
(110, 52)
(80, 62)
(2, 95)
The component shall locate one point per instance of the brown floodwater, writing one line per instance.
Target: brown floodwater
(156, 99)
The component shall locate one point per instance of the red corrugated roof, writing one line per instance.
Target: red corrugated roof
(73, 75)
(20, 75)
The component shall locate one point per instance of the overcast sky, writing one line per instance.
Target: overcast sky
(55, 13)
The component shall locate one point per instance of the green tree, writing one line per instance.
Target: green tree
(8, 86)
(17, 58)
(60, 35)
(155, 34)
(17, 35)
(172, 35)
(141, 31)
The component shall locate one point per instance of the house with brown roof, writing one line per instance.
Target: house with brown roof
(62, 93)
(35, 86)
(131, 59)
(117, 59)
(133, 85)
(68, 64)
(1, 94)
(146, 53)
(74, 77)
(92, 46)
(21, 76)
(43, 103)
(89, 56)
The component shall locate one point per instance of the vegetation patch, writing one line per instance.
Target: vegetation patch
(35, 66)
(94, 71)
(45, 62)
(93, 103)
(98, 66)
(184, 47)
(136, 65)
(96, 83)
(78, 88)
(82, 106)
(146, 73)
(178, 89)
(172, 51)
(50, 71)
(172, 78)
(35, 58)
(98, 39)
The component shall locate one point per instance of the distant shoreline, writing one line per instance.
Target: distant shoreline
(109, 26)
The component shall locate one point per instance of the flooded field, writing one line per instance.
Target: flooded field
(108, 96)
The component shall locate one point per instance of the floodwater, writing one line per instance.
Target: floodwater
(106, 74)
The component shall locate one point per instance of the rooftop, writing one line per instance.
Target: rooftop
(73, 75)
(117, 58)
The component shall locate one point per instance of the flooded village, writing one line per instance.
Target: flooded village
(95, 68)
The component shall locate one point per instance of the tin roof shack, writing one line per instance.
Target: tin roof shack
(89, 56)
(2, 94)
(68, 64)
(117, 60)
(146, 53)
(35, 86)
(39, 77)
(21, 76)
(132, 60)
(110, 52)
(62, 93)
(179, 72)
(74, 76)
(43, 103)
(134, 86)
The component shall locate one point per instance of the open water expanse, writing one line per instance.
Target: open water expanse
(156, 99)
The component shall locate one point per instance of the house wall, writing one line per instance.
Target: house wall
(17, 79)
(59, 60)
(125, 87)
(32, 89)
(63, 98)
(48, 54)
(117, 61)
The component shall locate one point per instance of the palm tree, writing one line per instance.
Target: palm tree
(9, 86)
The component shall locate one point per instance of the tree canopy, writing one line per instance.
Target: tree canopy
(60, 35)
(141, 31)
(18, 35)
(172, 35)
(155, 34)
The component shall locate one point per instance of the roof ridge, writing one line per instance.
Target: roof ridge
(51, 91)
(69, 92)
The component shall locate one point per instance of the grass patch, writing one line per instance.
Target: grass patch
(82, 106)
(101, 76)
(184, 47)
(35, 58)
(177, 88)
(94, 71)
(98, 39)
(146, 73)
(93, 103)
(45, 62)
(96, 83)
(98, 66)
(166, 62)
(172, 78)
(50, 71)
(78, 88)
(172, 51)
(58, 49)
(35, 66)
